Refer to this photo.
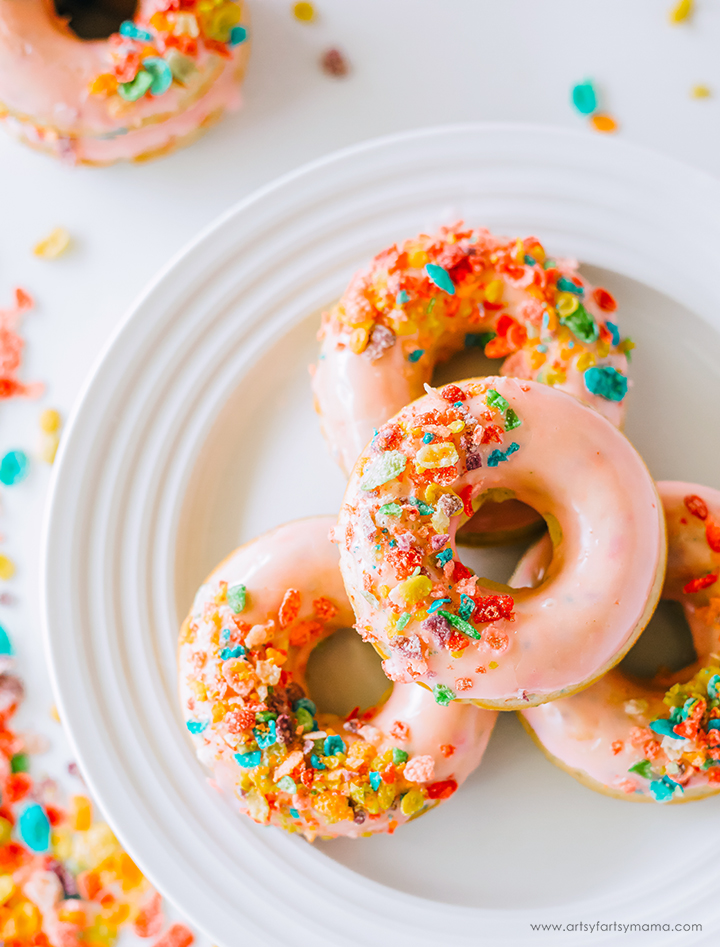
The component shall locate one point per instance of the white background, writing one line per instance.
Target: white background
(414, 62)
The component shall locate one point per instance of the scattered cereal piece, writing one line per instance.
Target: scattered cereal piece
(6, 647)
(603, 123)
(584, 97)
(305, 12)
(177, 936)
(54, 245)
(334, 63)
(50, 420)
(13, 467)
(682, 11)
(34, 828)
(7, 567)
(49, 444)
(700, 92)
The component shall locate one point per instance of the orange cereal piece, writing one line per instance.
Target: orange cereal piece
(289, 608)
(603, 123)
(176, 936)
(303, 632)
(130, 874)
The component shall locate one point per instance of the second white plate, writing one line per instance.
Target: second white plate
(197, 432)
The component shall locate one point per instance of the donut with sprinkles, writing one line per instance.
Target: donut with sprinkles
(242, 657)
(657, 740)
(437, 623)
(423, 300)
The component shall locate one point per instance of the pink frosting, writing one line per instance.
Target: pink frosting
(583, 476)
(441, 743)
(45, 75)
(594, 734)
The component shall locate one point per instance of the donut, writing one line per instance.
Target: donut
(434, 621)
(655, 740)
(153, 86)
(420, 302)
(243, 652)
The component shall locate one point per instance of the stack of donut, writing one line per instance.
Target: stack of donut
(537, 443)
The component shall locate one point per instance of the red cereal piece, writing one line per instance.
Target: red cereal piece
(389, 437)
(442, 790)
(697, 506)
(498, 347)
(492, 434)
(466, 496)
(403, 562)
(334, 63)
(617, 747)
(463, 683)
(452, 393)
(447, 750)
(604, 300)
(712, 534)
(237, 721)
(460, 572)
(12, 856)
(176, 936)
(17, 786)
(289, 608)
(704, 582)
(493, 608)
(324, 609)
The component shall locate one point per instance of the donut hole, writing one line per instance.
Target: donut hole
(498, 563)
(95, 19)
(666, 644)
(345, 672)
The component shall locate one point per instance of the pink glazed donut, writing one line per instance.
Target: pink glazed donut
(243, 652)
(636, 739)
(157, 84)
(437, 623)
(420, 302)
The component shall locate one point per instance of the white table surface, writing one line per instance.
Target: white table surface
(414, 63)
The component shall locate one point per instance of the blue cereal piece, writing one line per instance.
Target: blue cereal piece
(129, 30)
(34, 828)
(197, 726)
(316, 762)
(13, 467)
(440, 277)
(236, 652)
(333, 745)
(161, 73)
(416, 355)
(614, 332)
(375, 780)
(606, 382)
(249, 760)
(265, 737)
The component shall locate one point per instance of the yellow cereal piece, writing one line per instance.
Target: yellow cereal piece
(54, 245)
(700, 92)
(50, 420)
(219, 710)
(412, 802)
(433, 456)
(277, 657)
(417, 258)
(432, 492)
(494, 291)
(105, 84)
(7, 567)
(5, 831)
(603, 349)
(334, 806)
(586, 360)
(199, 689)
(552, 318)
(61, 843)
(160, 22)
(49, 447)
(457, 426)
(537, 359)
(359, 340)
(493, 665)
(221, 20)
(80, 813)
(27, 918)
(129, 872)
(566, 304)
(413, 590)
(305, 12)
(681, 11)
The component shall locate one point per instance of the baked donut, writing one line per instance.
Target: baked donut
(153, 86)
(429, 616)
(650, 740)
(243, 652)
(420, 302)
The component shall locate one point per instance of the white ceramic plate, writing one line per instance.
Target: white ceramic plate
(197, 432)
